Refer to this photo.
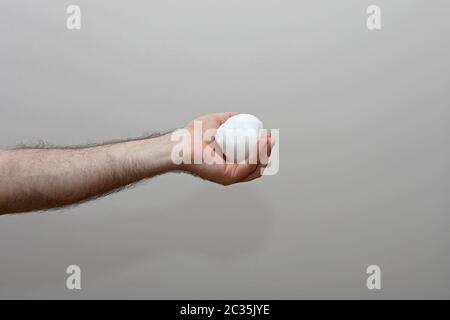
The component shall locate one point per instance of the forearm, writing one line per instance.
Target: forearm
(38, 179)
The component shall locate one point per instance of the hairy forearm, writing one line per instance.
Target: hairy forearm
(39, 179)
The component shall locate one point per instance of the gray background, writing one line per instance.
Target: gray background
(364, 119)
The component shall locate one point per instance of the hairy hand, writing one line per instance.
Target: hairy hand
(224, 172)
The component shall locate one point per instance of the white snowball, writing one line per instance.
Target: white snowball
(238, 135)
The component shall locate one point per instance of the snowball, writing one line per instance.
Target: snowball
(238, 135)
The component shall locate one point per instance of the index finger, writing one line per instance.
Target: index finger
(222, 117)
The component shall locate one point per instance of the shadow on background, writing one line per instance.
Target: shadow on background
(224, 224)
(220, 225)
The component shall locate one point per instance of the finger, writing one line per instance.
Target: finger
(210, 135)
(212, 153)
(231, 114)
(222, 117)
(242, 171)
(270, 144)
(264, 150)
(273, 141)
(255, 174)
(217, 149)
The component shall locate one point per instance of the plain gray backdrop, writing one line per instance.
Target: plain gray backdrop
(364, 119)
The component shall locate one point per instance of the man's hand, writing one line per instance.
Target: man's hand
(226, 173)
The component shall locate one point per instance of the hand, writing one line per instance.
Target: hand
(222, 172)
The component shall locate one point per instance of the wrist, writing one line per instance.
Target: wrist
(161, 150)
(149, 157)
